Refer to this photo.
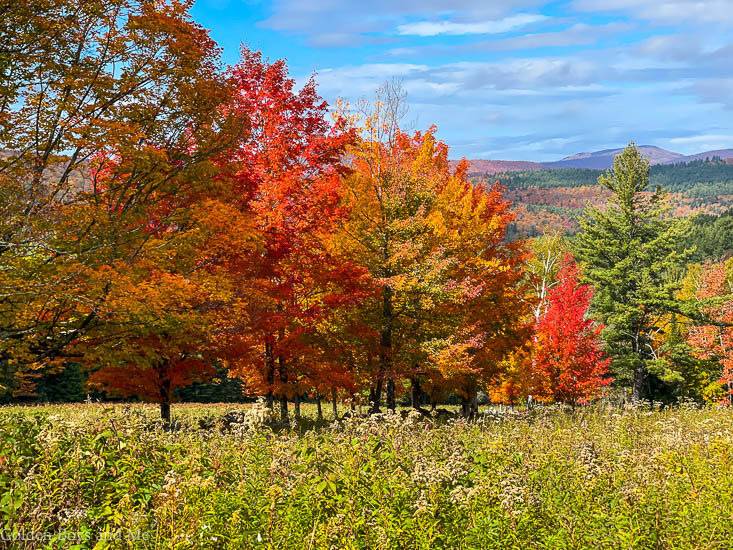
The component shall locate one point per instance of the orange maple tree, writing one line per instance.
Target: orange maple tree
(486, 312)
(156, 328)
(447, 305)
(110, 123)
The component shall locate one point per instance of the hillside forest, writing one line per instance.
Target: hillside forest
(176, 228)
(554, 199)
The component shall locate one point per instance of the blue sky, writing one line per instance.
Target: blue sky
(512, 79)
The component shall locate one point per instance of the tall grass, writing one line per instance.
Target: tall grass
(90, 476)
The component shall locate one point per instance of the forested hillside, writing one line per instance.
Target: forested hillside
(711, 235)
(554, 199)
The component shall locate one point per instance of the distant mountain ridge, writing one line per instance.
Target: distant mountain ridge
(722, 153)
(603, 160)
(496, 166)
(596, 160)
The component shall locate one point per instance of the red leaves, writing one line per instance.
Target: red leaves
(287, 176)
(270, 256)
(568, 363)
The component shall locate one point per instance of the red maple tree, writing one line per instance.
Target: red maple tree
(569, 365)
(287, 175)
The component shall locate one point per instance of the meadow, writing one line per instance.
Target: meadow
(225, 476)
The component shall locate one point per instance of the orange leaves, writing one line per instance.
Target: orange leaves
(165, 215)
(450, 304)
(115, 112)
(284, 181)
(486, 275)
(714, 287)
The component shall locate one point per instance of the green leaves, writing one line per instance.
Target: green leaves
(326, 483)
(554, 480)
(631, 255)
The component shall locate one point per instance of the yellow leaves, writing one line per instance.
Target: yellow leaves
(424, 158)
(224, 229)
(161, 292)
(690, 283)
(436, 244)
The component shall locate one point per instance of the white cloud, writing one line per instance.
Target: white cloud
(355, 82)
(702, 142)
(656, 72)
(714, 90)
(580, 34)
(529, 74)
(671, 47)
(705, 139)
(435, 28)
(665, 11)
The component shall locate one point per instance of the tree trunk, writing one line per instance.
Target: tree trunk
(375, 396)
(637, 388)
(296, 405)
(390, 394)
(166, 393)
(334, 402)
(283, 408)
(469, 406)
(318, 406)
(385, 354)
(165, 412)
(283, 381)
(415, 383)
(270, 362)
(270, 400)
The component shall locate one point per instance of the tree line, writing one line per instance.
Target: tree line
(168, 220)
(700, 177)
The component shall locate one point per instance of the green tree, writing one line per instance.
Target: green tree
(630, 249)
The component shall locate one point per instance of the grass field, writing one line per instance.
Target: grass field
(95, 476)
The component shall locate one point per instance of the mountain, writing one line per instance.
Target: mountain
(597, 160)
(602, 160)
(480, 166)
(722, 153)
(78, 177)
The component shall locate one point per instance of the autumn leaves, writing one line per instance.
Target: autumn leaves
(165, 217)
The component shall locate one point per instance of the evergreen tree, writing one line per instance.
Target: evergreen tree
(631, 252)
(64, 386)
(712, 236)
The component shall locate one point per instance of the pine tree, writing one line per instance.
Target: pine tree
(630, 249)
